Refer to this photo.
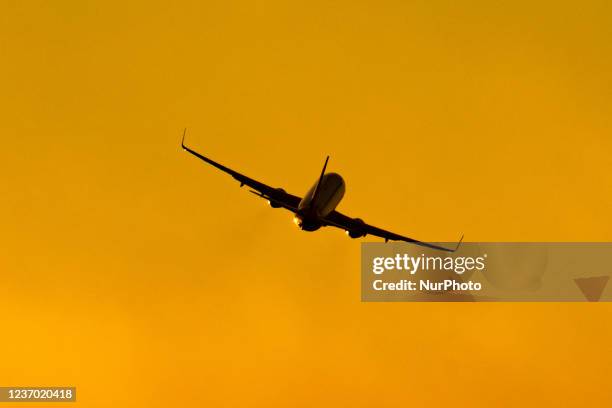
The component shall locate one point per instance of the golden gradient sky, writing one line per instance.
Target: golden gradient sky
(130, 266)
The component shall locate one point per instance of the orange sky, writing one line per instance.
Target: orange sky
(147, 279)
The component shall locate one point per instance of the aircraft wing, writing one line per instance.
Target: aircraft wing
(276, 196)
(342, 221)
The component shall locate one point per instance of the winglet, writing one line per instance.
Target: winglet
(183, 140)
(459, 243)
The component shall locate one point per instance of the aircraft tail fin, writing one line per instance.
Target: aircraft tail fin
(318, 187)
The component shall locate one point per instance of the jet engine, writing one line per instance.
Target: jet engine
(274, 204)
(358, 230)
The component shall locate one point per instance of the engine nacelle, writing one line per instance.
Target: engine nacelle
(274, 204)
(358, 230)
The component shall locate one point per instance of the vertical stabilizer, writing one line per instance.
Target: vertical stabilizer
(318, 187)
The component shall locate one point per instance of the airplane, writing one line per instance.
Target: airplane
(318, 206)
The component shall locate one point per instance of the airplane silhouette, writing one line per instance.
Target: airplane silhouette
(318, 207)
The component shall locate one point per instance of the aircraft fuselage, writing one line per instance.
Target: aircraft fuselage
(311, 212)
